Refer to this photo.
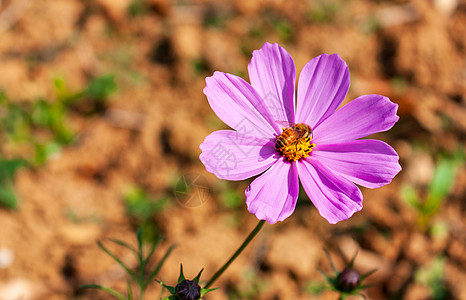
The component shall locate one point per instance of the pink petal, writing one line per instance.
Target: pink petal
(361, 117)
(335, 197)
(322, 86)
(231, 155)
(272, 74)
(370, 163)
(273, 195)
(239, 106)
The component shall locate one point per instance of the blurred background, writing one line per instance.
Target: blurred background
(102, 114)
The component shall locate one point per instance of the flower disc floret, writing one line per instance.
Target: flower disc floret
(294, 143)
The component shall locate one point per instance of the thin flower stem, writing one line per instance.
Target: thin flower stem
(235, 255)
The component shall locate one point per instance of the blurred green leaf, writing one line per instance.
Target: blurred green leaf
(231, 199)
(14, 120)
(44, 151)
(142, 208)
(200, 66)
(433, 277)
(102, 87)
(443, 180)
(439, 230)
(408, 193)
(52, 116)
(3, 97)
(41, 125)
(140, 204)
(137, 7)
(8, 197)
(8, 167)
(439, 188)
(324, 11)
(60, 88)
(284, 29)
(316, 288)
(40, 114)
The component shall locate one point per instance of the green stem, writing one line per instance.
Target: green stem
(235, 255)
(141, 271)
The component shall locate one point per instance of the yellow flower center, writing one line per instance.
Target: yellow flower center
(294, 143)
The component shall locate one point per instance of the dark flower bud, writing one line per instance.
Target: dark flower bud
(188, 290)
(347, 280)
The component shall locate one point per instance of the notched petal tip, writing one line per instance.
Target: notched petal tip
(335, 197)
(392, 107)
(269, 45)
(335, 220)
(335, 56)
(261, 214)
(361, 117)
(323, 84)
(369, 163)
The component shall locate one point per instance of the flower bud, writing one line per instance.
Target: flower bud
(188, 290)
(347, 280)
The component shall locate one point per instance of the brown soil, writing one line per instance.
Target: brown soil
(149, 136)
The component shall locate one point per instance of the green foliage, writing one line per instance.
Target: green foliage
(36, 130)
(324, 11)
(432, 277)
(231, 198)
(140, 204)
(8, 168)
(284, 30)
(439, 230)
(316, 288)
(438, 189)
(101, 87)
(142, 208)
(200, 66)
(8, 197)
(137, 8)
(42, 123)
(216, 18)
(141, 276)
(276, 22)
(443, 180)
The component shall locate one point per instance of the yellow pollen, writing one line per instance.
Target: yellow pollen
(295, 142)
(297, 149)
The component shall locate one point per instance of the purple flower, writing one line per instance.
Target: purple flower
(323, 150)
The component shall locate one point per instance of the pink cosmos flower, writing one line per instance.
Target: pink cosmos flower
(323, 150)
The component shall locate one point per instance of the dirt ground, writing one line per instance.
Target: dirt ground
(148, 136)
